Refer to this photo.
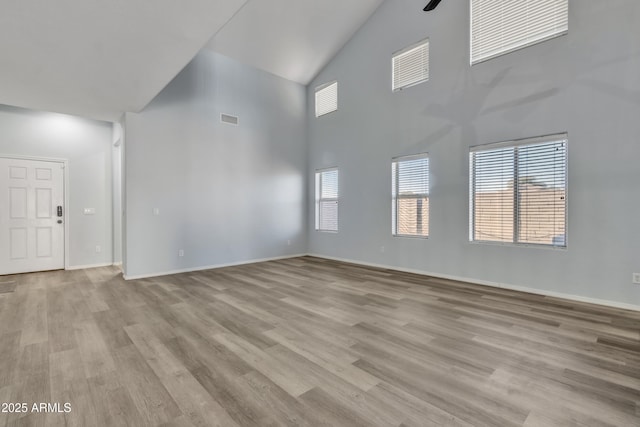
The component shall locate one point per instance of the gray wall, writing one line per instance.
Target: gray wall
(226, 194)
(586, 83)
(86, 144)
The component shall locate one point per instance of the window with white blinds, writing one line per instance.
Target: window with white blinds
(327, 200)
(326, 99)
(410, 196)
(410, 66)
(502, 26)
(518, 192)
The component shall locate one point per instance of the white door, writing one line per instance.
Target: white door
(31, 216)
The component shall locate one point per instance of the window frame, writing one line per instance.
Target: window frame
(404, 51)
(559, 137)
(320, 199)
(529, 43)
(396, 197)
(319, 89)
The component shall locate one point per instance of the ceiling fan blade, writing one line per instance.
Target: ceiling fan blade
(432, 5)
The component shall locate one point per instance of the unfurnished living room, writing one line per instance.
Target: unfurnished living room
(320, 213)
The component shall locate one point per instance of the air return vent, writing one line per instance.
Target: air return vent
(229, 119)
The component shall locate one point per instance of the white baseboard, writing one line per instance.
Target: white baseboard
(209, 267)
(83, 267)
(542, 292)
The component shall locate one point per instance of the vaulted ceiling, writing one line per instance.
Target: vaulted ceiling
(98, 59)
(293, 39)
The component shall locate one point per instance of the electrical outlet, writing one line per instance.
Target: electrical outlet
(98, 249)
(381, 249)
(288, 242)
(636, 278)
(181, 252)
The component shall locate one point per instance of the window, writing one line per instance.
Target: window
(327, 200)
(411, 65)
(326, 99)
(500, 26)
(518, 192)
(410, 196)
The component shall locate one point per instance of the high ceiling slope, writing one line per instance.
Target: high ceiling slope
(293, 39)
(98, 58)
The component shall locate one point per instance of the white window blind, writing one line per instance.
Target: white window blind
(518, 191)
(410, 196)
(502, 26)
(327, 200)
(326, 99)
(410, 66)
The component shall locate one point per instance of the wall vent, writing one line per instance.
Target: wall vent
(229, 119)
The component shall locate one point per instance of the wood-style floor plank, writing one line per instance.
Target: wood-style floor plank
(310, 342)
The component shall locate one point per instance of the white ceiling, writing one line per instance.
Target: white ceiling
(293, 39)
(98, 58)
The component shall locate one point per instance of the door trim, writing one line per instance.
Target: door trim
(65, 189)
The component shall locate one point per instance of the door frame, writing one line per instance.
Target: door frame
(65, 190)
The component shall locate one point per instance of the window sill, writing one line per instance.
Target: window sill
(410, 236)
(518, 245)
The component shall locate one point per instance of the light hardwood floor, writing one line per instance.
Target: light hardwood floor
(310, 342)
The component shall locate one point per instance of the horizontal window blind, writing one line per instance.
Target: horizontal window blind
(502, 26)
(410, 196)
(492, 196)
(411, 65)
(327, 200)
(518, 192)
(326, 99)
